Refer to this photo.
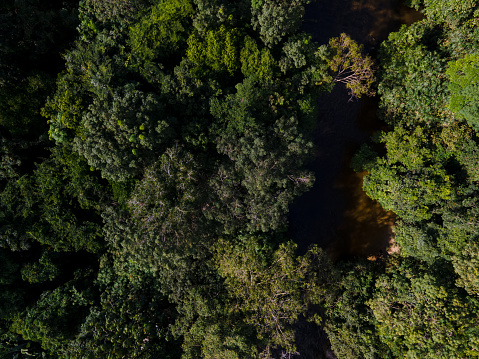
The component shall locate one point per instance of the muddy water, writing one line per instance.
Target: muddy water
(336, 213)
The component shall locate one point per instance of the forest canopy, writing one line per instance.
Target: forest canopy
(149, 153)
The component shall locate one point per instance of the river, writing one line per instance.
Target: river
(336, 213)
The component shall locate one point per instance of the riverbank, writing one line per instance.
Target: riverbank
(336, 213)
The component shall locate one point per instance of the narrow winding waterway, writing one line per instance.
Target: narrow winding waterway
(336, 213)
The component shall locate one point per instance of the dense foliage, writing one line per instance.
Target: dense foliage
(422, 303)
(144, 214)
(150, 150)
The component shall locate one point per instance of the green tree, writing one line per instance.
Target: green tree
(218, 51)
(409, 181)
(421, 314)
(464, 78)
(275, 20)
(262, 175)
(271, 287)
(350, 323)
(55, 318)
(413, 85)
(131, 320)
(160, 34)
(255, 62)
(167, 201)
(57, 206)
(20, 104)
(122, 134)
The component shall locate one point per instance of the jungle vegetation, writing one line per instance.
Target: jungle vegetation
(150, 149)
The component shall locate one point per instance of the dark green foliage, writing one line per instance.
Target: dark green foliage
(11, 292)
(413, 84)
(55, 317)
(20, 104)
(178, 130)
(364, 159)
(350, 323)
(167, 201)
(122, 133)
(55, 206)
(131, 320)
(261, 177)
(42, 271)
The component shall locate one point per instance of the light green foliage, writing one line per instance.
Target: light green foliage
(464, 87)
(274, 20)
(466, 265)
(218, 50)
(222, 336)
(402, 308)
(427, 178)
(161, 33)
(420, 313)
(460, 140)
(89, 75)
(418, 240)
(409, 181)
(64, 110)
(226, 342)
(271, 287)
(350, 67)
(255, 62)
(449, 11)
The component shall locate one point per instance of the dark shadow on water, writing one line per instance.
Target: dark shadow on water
(366, 21)
(336, 213)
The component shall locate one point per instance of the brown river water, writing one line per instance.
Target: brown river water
(336, 213)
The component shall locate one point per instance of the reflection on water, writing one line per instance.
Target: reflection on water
(367, 21)
(336, 213)
(366, 229)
